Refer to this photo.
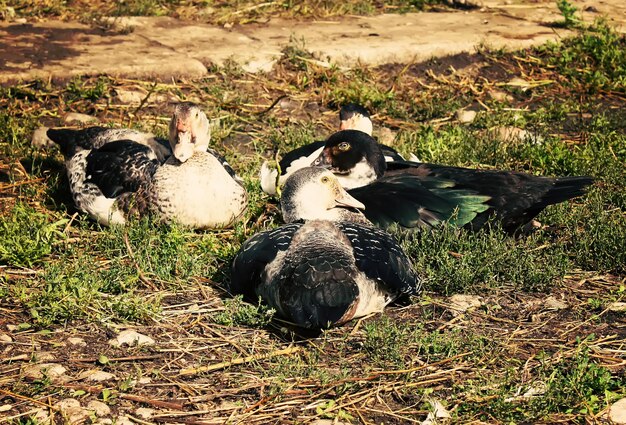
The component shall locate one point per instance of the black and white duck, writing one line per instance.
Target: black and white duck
(326, 270)
(116, 173)
(351, 116)
(514, 198)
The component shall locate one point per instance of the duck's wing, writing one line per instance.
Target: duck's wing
(121, 166)
(300, 157)
(379, 256)
(225, 164)
(515, 198)
(254, 255)
(414, 202)
(390, 153)
(71, 141)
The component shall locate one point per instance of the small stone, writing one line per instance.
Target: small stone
(465, 116)
(287, 104)
(5, 338)
(132, 97)
(53, 371)
(40, 139)
(77, 342)
(131, 338)
(123, 420)
(617, 412)
(67, 403)
(500, 96)
(20, 21)
(386, 136)
(75, 117)
(41, 416)
(96, 375)
(144, 380)
(144, 412)
(11, 328)
(99, 408)
(438, 412)
(552, 303)
(44, 356)
(6, 407)
(511, 134)
(70, 407)
(617, 306)
(460, 303)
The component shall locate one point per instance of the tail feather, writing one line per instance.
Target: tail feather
(65, 138)
(565, 188)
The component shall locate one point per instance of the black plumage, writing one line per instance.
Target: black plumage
(121, 166)
(321, 273)
(514, 198)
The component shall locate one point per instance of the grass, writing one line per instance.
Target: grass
(217, 12)
(62, 276)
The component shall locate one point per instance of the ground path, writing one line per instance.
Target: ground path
(161, 47)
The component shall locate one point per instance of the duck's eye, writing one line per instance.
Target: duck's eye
(344, 146)
(325, 179)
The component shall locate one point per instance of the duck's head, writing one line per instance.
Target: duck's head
(189, 131)
(313, 193)
(353, 156)
(355, 117)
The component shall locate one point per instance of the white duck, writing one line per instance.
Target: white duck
(114, 174)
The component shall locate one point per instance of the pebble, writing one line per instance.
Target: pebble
(500, 96)
(44, 356)
(6, 407)
(99, 408)
(144, 412)
(514, 134)
(123, 420)
(460, 303)
(465, 116)
(552, 303)
(617, 412)
(77, 118)
(386, 136)
(77, 341)
(131, 338)
(70, 407)
(131, 97)
(96, 375)
(52, 370)
(40, 139)
(617, 306)
(5, 338)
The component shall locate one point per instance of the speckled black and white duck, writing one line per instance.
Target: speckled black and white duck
(415, 194)
(324, 271)
(116, 173)
(351, 116)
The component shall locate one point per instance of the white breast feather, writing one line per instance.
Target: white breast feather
(361, 174)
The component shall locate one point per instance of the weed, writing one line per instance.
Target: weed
(239, 313)
(568, 10)
(27, 236)
(77, 89)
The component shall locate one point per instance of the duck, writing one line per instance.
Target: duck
(117, 173)
(512, 198)
(351, 116)
(324, 271)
